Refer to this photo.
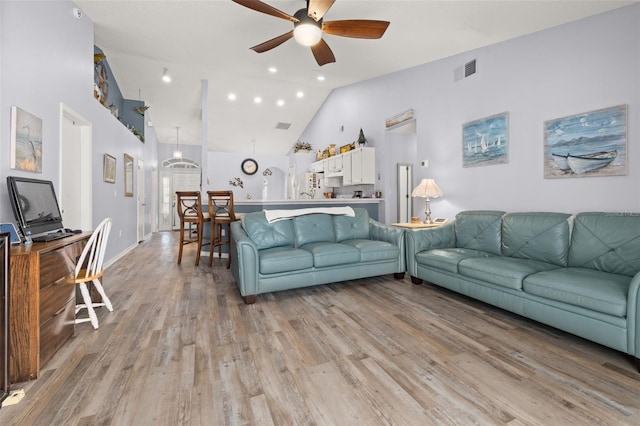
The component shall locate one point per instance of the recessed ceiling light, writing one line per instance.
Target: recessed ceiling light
(231, 96)
(300, 95)
(320, 78)
(257, 100)
(280, 102)
(273, 70)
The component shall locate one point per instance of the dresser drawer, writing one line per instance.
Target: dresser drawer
(56, 265)
(54, 297)
(56, 330)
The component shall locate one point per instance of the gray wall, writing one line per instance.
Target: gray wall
(47, 60)
(582, 66)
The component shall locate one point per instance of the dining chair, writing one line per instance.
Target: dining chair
(89, 270)
(222, 214)
(190, 212)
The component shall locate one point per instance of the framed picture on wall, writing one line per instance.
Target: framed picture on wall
(587, 144)
(109, 169)
(26, 141)
(128, 175)
(486, 141)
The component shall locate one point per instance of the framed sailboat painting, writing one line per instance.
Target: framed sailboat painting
(486, 141)
(588, 144)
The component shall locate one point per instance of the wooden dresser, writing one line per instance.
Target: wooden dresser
(42, 306)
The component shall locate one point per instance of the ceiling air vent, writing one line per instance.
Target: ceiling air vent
(283, 126)
(469, 68)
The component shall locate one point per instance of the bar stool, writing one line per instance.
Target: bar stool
(189, 206)
(221, 214)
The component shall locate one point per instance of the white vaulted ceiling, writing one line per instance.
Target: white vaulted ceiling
(210, 40)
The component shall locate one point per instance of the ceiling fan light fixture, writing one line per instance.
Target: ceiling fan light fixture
(307, 34)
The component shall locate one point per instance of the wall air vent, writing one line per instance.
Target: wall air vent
(469, 68)
(283, 126)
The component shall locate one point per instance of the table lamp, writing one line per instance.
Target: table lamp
(427, 189)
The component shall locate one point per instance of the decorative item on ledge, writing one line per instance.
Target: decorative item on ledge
(361, 139)
(136, 132)
(236, 182)
(301, 147)
(141, 109)
(332, 150)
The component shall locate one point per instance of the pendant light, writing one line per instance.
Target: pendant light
(177, 154)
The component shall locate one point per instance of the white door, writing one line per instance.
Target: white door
(405, 185)
(170, 182)
(141, 200)
(74, 193)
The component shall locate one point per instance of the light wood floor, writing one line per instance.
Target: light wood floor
(181, 348)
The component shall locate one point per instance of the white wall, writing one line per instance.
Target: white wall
(224, 166)
(578, 67)
(47, 60)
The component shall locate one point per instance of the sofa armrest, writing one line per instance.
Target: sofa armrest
(633, 318)
(381, 232)
(422, 239)
(245, 266)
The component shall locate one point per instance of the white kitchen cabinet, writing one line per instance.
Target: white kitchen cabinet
(363, 166)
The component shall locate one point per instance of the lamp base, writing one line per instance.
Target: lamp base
(427, 213)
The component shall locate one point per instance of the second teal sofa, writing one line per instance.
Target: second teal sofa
(576, 273)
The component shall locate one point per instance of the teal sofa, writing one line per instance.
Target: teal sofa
(578, 273)
(312, 249)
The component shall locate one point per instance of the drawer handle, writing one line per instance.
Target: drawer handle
(59, 311)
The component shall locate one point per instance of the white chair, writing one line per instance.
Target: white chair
(89, 269)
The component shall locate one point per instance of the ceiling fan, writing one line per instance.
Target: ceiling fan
(309, 26)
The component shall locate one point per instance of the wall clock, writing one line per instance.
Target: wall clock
(249, 166)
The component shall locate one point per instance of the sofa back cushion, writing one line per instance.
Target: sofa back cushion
(479, 230)
(608, 242)
(313, 228)
(352, 228)
(265, 234)
(537, 236)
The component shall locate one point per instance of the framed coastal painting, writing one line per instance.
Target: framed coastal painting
(486, 141)
(587, 144)
(128, 175)
(26, 141)
(109, 168)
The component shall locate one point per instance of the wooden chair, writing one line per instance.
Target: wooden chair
(89, 269)
(189, 206)
(222, 214)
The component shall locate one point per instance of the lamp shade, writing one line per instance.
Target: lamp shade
(427, 189)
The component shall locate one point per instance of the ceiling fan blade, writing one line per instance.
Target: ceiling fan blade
(356, 28)
(274, 42)
(259, 6)
(317, 8)
(322, 52)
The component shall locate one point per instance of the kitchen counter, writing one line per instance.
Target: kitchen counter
(247, 206)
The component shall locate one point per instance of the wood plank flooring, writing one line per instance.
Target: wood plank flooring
(181, 348)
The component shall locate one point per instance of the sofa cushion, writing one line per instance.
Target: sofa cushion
(332, 254)
(537, 236)
(284, 259)
(350, 228)
(608, 242)
(593, 290)
(265, 234)
(373, 251)
(313, 228)
(447, 259)
(503, 271)
(479, 230)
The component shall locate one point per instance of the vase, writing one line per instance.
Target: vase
(319, 155)
(332, 149)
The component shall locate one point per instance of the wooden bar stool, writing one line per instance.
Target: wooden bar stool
(189, 206)
(221, 214)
